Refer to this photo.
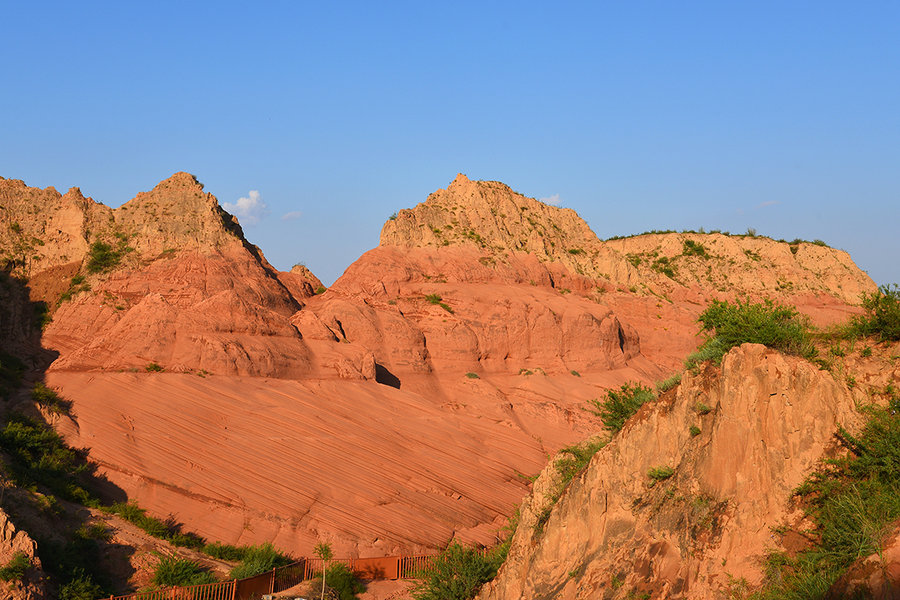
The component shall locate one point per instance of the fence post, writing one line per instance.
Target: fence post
(272, 583)
(233, 589)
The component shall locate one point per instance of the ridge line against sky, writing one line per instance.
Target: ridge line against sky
(314, 123)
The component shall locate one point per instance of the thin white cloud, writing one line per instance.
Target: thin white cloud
(249, 210)
(768, 203)
(553, 200)
(292, 216)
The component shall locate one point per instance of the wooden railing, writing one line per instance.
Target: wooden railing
(282, 578)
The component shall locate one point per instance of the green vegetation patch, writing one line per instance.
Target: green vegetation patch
(103, 257)
(49, 399)
(774, 325)
(15, 569)
(851, 500)
(342, 582)
(179, 571)
(259, 559)
(619, 405)
(458, 573)
(882, 318)
(660, 473)
(165, 530)
(692, 248)
(436, 299)
(39, 456)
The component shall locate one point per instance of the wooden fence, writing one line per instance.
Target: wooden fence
(282, 578)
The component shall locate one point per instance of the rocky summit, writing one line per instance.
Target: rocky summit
(414, 401)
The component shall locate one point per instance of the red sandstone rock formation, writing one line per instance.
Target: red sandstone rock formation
(618, 531)
(279, 416)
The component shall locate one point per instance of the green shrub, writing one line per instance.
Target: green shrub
(660, 473)
(80, 587)
(620, 405)
(320, 290)
(15, 569)
(38, 455)
(729, 325)
(882, 316)
(574, 459)
(695, 431)
(457, 574)
(667, 384)
(342, 582)
(702, 408)
(164, 530)
(471, 375)
(102, 257)
(227, 552)
(851, 500)
(154, 368)
(259, 559)
(433, 298)
(49, 399)
(692, 248)
(179, 571)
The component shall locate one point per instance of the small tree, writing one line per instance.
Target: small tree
(323, 551)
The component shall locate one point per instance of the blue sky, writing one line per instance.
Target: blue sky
(781, 116)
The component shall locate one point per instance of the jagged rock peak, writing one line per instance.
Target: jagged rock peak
(491, 215)
(177, 213)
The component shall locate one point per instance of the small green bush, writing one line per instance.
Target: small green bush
(15, 569)
(660, 473)
(180, 571)
(574, 460)
(471, 375)
(154, 368)
(227, 552)
(729, 325)
(342, 582)
(102, 257)
(692, 248)
(457, 574)
(80, 586)
(320, 290)
(259, 559)
(702, 408)
(667, 384)
(49, 399)
(621, 404)
(882, 316)
(695, 431)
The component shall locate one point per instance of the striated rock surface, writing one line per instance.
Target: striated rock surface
(706, 528)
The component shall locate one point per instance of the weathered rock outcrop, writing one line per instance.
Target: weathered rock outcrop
(491, 217)
(13, 542)
(703, 522)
